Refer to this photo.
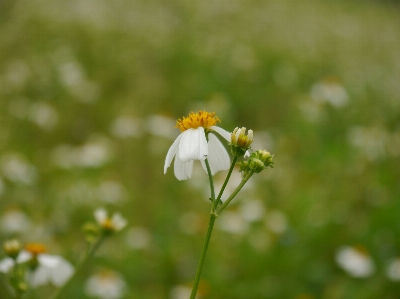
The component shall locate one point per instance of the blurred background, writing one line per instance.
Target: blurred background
(89, 95)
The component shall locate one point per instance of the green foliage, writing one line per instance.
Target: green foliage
(83, 83)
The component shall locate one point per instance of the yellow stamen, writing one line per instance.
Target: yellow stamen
(108, 225)
(35, 248)
(200, 119)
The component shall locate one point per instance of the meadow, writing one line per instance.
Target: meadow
(90, 92)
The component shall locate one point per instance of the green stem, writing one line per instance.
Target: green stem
(225, 183)
(90, 252)
(234, 193)
(203, 255)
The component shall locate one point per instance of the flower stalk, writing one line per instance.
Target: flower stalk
(92, 248)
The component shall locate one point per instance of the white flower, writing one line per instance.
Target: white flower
(114, 223)
(393, 270)
(47, 269)
(6, 265)
(355, 261)
(192, 145)
(105, 284)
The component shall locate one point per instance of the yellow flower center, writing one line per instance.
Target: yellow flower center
(35, 248)
(200, 119)
(108, 225)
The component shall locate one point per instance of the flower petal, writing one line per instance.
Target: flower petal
(48, 260)
(218, 157)
(172, 152)
(40, 276)
(182, 170)
(222, 132)
(118, 221)
(6, 264)
(100, 215)
(24, 256)
(61, 273)
(193, 145)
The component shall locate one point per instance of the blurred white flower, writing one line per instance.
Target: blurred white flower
(370, 141)
(252, 209)
(192, 145)
(114, 223)
(105, 284)
(17, 169)
(46, 268)
(355, 261)
(138, 237)
(393, 270)
(43, 115)
(330, 90)
(6, 264)
(111, 191)
(73, 76)
(95, 153)
(276, 221)
(233, 222)
(160, 125)
(180, 292)
(14, 221)
(126, 126)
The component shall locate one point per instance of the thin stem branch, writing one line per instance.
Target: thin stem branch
(90, 252)
(234, 193)
(225, 183)
(203, 255)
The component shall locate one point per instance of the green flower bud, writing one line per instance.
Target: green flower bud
(256, 165)
(12, 248)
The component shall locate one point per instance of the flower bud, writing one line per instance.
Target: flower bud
(12, 248)
(240, 142)
(256, 165)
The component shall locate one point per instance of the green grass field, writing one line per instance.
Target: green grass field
(89, 95)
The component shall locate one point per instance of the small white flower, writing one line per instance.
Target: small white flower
(393, 270)
(114, 223)
(192, 145)
(49, 268)
(6, 265)
(355, 261)
(105, 284)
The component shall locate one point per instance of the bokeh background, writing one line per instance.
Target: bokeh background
(89, 94)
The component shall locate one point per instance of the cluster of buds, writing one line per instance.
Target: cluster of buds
(257, 162)
(240, 142)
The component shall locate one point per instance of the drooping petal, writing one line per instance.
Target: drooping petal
(100, 215)
(61, 273)
(193, 145)
(218, 157)
(182, 170)
(48, 260)
(6, 264)
(40, 276)
(222, 132)
(172, 152)
(24, 256)
(118, 221)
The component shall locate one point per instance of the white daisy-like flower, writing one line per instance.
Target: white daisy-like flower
(114, 223)
(105, 284)
(192, 145)
(46, 268)
(356, 261)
